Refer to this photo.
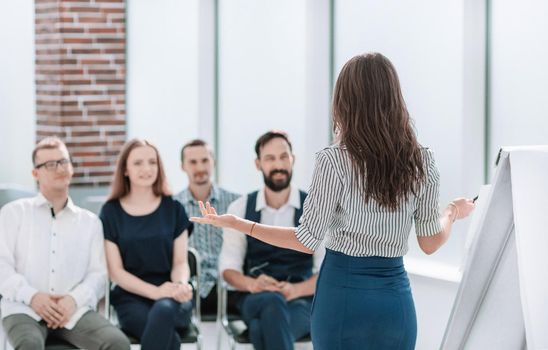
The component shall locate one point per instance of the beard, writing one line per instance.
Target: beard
(277, 185)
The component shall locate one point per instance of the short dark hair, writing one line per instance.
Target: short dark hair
(267, 137)
(50, 142)
(195, 143)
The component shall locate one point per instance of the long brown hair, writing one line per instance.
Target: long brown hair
(372, 122)
(120, 182)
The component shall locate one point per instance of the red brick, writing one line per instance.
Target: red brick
(116, 91)
(85, 51)
(102, 30)
(46, 41)
(101, 112)
(111, 122)
(77, 40)
(95, 61)
(71, 30)
(100, 19)
(113, 10)
(86, 92)
(86, 154)
(69, 103)
(110, 81)
(76, 82)
(110, 40)
(82, 9)
(97, 103)
(45, 92)
(101, 173)
(39, 21)
(72, 71)
(40, 102)
(87, 144)
(46, 10)
(109, 51)
(66, 113)
(51, 51)
(85, 133)
(95, 163)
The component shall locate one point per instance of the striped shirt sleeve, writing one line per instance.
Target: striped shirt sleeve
(427, 216)
(322, 200)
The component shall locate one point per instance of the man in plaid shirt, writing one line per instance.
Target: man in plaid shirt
(197, 161)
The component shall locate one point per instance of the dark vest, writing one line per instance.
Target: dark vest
(280, 263)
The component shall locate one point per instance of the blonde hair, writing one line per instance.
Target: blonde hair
(50, 142)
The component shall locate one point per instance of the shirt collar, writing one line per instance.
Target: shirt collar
(40, 200)
(294, 199)
(71, 206)
(186, 196)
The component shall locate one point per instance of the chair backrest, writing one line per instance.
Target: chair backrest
(193, 257)
(11, 192)
(194, 263)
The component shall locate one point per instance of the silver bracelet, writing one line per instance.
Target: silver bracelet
(457, 209)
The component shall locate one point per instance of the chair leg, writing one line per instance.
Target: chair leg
(220, 332)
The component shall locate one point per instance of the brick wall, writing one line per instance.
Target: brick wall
(80, 82)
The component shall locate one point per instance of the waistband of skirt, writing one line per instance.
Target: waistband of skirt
(341, 259)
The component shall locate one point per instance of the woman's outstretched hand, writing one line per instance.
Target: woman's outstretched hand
(210, 217)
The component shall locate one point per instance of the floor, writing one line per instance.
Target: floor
(209, 340)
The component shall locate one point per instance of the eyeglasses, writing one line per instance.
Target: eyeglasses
(51, 165)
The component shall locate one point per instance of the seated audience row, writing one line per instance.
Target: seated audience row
(54, 256)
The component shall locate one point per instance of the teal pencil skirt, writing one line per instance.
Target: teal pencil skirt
(363, 303)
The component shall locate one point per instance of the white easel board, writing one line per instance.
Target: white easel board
(502, 302)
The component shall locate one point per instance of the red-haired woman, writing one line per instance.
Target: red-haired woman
(146, 234)
(367, 191)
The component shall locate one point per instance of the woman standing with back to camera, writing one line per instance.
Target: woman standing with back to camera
(367, 191)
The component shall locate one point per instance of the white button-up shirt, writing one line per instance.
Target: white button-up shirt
(55, 255)
(235, 243)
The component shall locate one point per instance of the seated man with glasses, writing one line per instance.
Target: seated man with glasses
(52, 263)
(276, 284)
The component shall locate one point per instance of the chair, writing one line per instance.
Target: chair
(231, 319)
(11, 192)
(190, 335)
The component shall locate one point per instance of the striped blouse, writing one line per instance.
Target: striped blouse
(335, 209)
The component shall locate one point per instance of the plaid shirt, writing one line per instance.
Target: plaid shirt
(207, 239)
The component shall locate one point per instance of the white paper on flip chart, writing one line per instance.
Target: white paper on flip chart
(530, 203)
(475, 221)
